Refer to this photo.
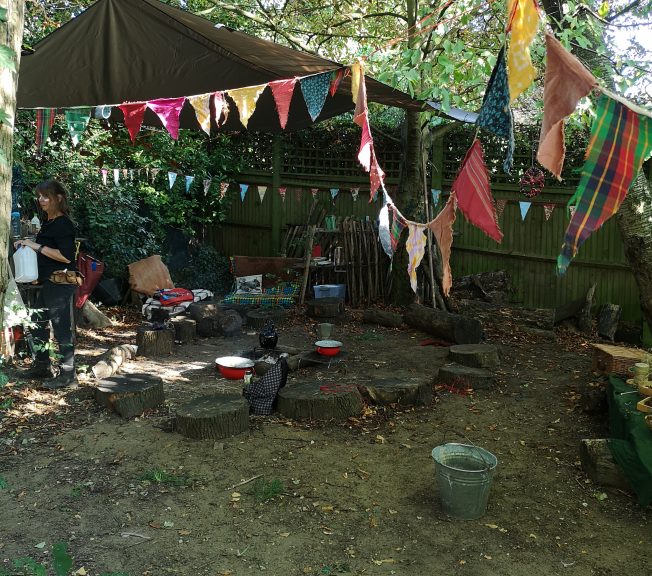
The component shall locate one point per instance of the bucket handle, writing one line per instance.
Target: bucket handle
(487, 464)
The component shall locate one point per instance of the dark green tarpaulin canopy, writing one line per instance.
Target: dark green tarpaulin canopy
(135, 50)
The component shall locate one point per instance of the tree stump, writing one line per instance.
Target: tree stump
(215, 416)
(258, 318)
(130, 395)
(325, 307)
(598, 464)
(230, 323)
(154, 342)
(474, 355)
(449, 327)
(315, 401)
(206, 314)
(382, 318)
(111, 360)
(402, 392)
(466, 376)
(185, 329)
(608, 321)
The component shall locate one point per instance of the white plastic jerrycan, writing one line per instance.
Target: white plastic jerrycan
(25, 264)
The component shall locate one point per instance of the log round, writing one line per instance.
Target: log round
(599, 465)
(185, 329)
(396, 391)
(475, 355)
(111, 360)
(154, 342)
(130, 395)
(316, 401)
(382, 318)
(465, 376)
(204, 309)
(325, 307)
(449, 327)
(214, 416)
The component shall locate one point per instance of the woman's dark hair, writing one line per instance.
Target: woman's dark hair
(53, 189)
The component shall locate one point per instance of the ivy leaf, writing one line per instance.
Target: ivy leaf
(603, 10)
(3, 14)
(7, 58)
(6, 118)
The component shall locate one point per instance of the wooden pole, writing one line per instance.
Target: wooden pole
(278, 210)
(429, 234)
(308, 255)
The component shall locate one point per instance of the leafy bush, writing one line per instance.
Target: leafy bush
(206, 269)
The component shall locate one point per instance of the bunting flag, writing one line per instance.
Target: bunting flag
(155, 172)
(133, 112)
(243, 191)
(567, 81)
(571, 211)
(261, 192)
(354, 193)
(357, 71)
(524, 206)
(189, 180)
(102, 112)
(500, 206)
(547, 210)
(44, 122)
(361, 118)
(523, 19)
(336, 78)
(77, 119)
(282, 91)
(398, 224)
(334, 192)
(474, 193)
(620, 140)
(104, 172)
(442, 229)
(131, 174)
(314, 191)
(146, 173)
(172, 177)
(282, 190)
(245, 100)
(125, 173)
(376, 178)
(224, 187)
(416, 247)
(116, 177)
(496, 115)
(221, 107)
(168, 110)
(383, 229)
(207, 185)
(435, 196)
(202, 106)
(314, 90)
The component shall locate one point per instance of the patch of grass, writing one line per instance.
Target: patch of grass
(264, 490)
(79, 489)
(370, 336)
(339, 568)
(158, 476)
(3, 482)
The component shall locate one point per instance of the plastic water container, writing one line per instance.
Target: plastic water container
(25, 264)
(15, 224)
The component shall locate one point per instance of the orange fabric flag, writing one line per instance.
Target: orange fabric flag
(523, 20)
(442, 229)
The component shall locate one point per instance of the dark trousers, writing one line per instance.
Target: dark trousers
(54, 305)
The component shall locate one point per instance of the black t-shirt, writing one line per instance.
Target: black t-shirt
(60, 235)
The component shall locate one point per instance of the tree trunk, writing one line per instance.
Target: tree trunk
(11, 33)
(88, 316)
(111, 360)
(450, 327)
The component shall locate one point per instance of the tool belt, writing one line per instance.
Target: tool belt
(67, 277)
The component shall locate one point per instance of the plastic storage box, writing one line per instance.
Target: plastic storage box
(330, 291)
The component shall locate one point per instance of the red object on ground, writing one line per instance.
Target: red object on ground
(92, 270)
(328, 351)
(234, 367)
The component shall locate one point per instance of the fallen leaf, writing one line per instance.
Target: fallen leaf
(284, 534)
(80, 572)
(183, 532)
(492, 526)
(327, 508)
(168, 524)
(155, 525)
(40, 545)
(373, 523)
(385, 561)
(487, 557)
(380, 439)
(533, 536)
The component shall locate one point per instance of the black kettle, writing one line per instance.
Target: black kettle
(268, 336)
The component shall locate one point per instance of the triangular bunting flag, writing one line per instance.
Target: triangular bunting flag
(207, 185)
(354, 193)
(243, 191)
(224, 187)
(77, 120)
(44, 122)
(133, 114)
(571, 211)
(416, 247)
(567, 81)
(500, 206)
(357, 71)
(383, 230)
(155, 172)
(282, 91)
(474, 193)
(131, 174)
(189, 180)
(314, 191)
(202, 106)
(442, 229)
(172, 177)
(125, 173)
(104, 172)
(547, 210)
(282, 190)
(245, 100)
(334, 192)
(261, 192)
(336, 78)
(523, 19)
(398, 224)
(314, 90)
(525, 206)
(116, 177)
(221, 108)
(435, 196)
(168, 110)
(376, 178)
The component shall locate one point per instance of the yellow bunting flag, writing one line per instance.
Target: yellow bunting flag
(523, 19)
(245, 99)
(357, 72)
(202, 106)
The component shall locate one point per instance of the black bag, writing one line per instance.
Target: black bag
(261, 395)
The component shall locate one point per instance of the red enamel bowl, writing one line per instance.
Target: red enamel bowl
(234, 367)
(328, 347)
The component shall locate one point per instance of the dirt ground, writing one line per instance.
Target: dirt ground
(132, 497)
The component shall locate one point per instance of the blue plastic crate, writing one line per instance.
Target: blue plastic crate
(330, 291)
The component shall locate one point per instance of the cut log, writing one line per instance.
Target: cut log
(449, 327)
(111, 360)
(154, 342)
(397, 391)
(302, 360)
(598, 464)
(130, 395)
(576, 308)
(325, 307)
(230, 323)
(258, 318)
(542, 318)
(204, 309)
(608, 321)
(315, 401)
(215, 416)
(381, 317)
(475, 355)
(185, 329)
(585, 319)
(88, 316)
(465, 377)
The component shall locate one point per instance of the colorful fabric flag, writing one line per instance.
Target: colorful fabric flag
(221, 108)
(168, 110)
(547, 210)
(172, 177)
(125, 173)
(77, 119)
(245, 100)
(314, 90)
(496, 115)
(376, 178)
(357, 72)
(435, 196)
(314, 192)
(224, 187)
(336, 78)
(500, 206)
(202, 106)
(334, 192)
(189, 180)
(261, 192)
(567, 81)
(524, 206)
(155, 172)
(523, 20)
(44, 122)
(102, 112)
(104, 172)
(354, 193)
(243, 191)
(282, 190)
(398, 224)
(116, 177)
(442, 230)
(133, 112)
(282, 91)
(416, 247)
(474, 193)
(620, 140)
(131, 174)
(383, 229)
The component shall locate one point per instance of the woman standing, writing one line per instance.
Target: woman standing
(55, 246)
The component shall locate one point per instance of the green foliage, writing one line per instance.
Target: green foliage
(206, 269)
(62, 561)
(158, 476)
(263, 490)
(27, 567)
(3, 483)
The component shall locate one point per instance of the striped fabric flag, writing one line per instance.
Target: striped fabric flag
(620, 140)
(523, 20)
(398, 224)
(44, 122)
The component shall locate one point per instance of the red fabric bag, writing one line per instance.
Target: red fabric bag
(174, 296)
(92, 270)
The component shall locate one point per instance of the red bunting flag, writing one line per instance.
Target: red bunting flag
(547, 210)
(168, 110)
(224, 187)
(282, 190)
(133, 113)
(282, 91)
(376, 177)
(335, 82)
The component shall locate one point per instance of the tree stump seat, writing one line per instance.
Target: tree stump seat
(386, 391)
(151, 342)
(319, 401)
(130, 395)
(213, 416)
(325, 307)
(466, 376)
(475, 355)
(185, 329)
